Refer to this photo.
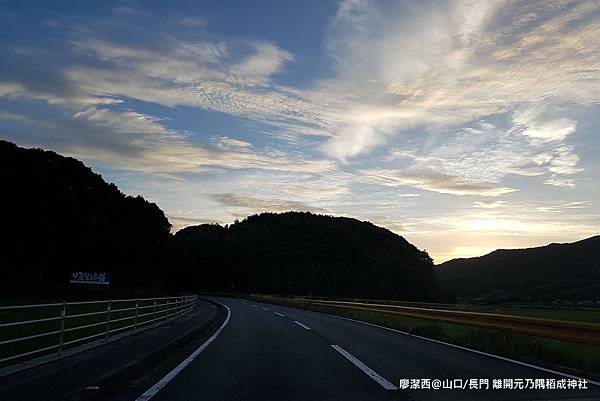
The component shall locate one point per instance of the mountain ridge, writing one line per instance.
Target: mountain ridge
(551, 272)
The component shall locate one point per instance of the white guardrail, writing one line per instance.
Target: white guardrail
(29, 330)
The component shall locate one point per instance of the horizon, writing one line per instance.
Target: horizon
(464, 127)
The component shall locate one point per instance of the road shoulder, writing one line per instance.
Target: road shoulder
(120, 370)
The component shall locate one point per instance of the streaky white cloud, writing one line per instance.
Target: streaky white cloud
(541, 124)
(422, 67)
(257, 205)
(16, 90)
(433, 181)
(9, 88)
(266, 61)
(193, 21)
(434, 66)
(198, 74)
(123, 121)
(489, 204)
(224, 142)
(135, 141)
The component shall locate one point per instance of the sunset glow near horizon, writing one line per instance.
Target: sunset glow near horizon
(464, 126)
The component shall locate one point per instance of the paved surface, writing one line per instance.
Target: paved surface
(270, 352)
(107, 365)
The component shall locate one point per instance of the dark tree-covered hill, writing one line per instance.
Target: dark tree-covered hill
(58, 216)
(304, 253)
(556, 271)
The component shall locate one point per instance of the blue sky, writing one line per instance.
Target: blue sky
(464, 126)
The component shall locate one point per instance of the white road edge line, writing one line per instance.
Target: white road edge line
(596, 383)
(279, 314)
(367, 370)
(302, 325)
(151, 392)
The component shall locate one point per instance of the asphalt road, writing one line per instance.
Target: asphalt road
(268, 352)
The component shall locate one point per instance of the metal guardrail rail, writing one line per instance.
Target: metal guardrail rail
(28, 330)
(580, 332)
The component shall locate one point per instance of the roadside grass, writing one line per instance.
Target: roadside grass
(542, 351)
(576, 314)
(74, 334)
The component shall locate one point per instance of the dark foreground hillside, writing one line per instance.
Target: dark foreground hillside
(58, 216)
(304, 253)
(556, 271)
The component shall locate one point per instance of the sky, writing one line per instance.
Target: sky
(464, 126)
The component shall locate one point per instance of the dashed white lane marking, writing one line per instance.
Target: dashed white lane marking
(151, 392)
(502, 358)
(254, 306)
(265, 309)
(279, 314)
(367, 370)
(302, 325)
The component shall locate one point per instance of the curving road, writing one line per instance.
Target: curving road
(268, 352)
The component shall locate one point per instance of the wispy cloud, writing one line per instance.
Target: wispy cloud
(193, 21)
(452, 63)
(433, 181)
(257, 205)
(475, 100)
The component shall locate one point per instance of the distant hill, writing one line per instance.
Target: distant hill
(556, 271)
(58, 216)
(304, 253)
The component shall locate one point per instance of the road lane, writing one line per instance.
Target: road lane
(395, 356)
(261, 356)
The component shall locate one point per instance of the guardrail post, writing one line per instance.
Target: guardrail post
(135, 321)
(154, 314)
(107, 321)
(61, 336)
